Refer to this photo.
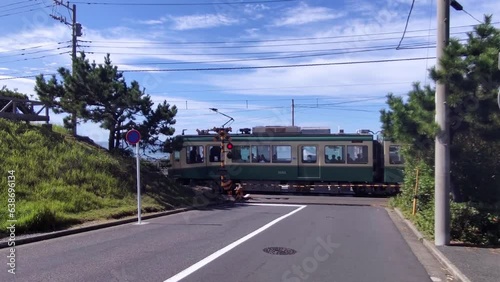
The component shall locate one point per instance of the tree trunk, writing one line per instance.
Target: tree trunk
(73, 125)
(117, 138)
(111, 140)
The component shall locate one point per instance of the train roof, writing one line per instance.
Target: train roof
(281, 133)
(283, 137)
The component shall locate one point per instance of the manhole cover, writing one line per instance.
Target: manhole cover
(279, 251)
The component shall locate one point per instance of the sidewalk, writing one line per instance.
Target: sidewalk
(467, 264)
(477, 264)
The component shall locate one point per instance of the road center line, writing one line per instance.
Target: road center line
(183, 274)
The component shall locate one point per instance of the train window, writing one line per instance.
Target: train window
(241, 154)
(261, 154)
(214, 154)
(309, 154)
(334, 154)
(357, 154)
(395, 156)
(177, 156)
(195, 154)
(282, 154)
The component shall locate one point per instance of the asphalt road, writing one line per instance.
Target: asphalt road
(323, 243)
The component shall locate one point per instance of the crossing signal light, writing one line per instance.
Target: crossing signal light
(229, 146)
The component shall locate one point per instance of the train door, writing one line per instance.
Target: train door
(308, 162)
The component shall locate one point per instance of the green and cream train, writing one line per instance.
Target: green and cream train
(292, 160)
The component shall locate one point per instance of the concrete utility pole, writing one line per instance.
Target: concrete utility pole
(76, 32)
(293, 112)
(442, 149)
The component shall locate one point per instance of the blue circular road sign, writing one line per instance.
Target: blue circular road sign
(133, 137)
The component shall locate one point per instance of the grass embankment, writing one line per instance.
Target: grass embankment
(61, 181)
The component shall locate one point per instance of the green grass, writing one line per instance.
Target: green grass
(61, 181)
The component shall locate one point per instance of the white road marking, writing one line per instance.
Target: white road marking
(183, 274)
(271, 205)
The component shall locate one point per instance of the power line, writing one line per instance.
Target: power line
(274, 88)
(277, 57)
(406, 25)
(180, 4)
(249, 53)
(232, 47)
(34, 52)
(36, 58)
(27, 11)
(110, 42)
(277, 40)
(281, 66)
(17, 3)
(472, 16)
(428, 41)
(29, 48)
(21, 7)
(457, 6)
(26, 76)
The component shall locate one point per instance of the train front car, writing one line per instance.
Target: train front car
(291, 159)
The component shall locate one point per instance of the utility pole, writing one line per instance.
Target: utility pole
(76, 29)
(442, 149)
(293, 112)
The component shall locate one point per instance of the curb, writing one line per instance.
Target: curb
(62, 233)
(434, 251)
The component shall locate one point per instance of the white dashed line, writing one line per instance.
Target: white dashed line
(183, 274)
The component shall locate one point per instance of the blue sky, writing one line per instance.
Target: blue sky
(227, 34)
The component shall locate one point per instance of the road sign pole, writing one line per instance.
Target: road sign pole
(133, 138)
(138, 183)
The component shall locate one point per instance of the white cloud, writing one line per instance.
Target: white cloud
(202, 21)
(304, 14)
(22, 85)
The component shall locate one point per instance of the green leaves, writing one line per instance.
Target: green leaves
(470, 69)
(99, 93)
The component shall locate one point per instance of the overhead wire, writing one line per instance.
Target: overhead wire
(34, 52)
(406, 25)
(274, 88)
(26, 11)
(258, 41)
(180, 4)
(428, 41)
(281, 66)
(36, 58)
(17, 3)
(274, 58)
(22, 7)
(25, 76)
(240, 53)
(32, 47)
(472, 16)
